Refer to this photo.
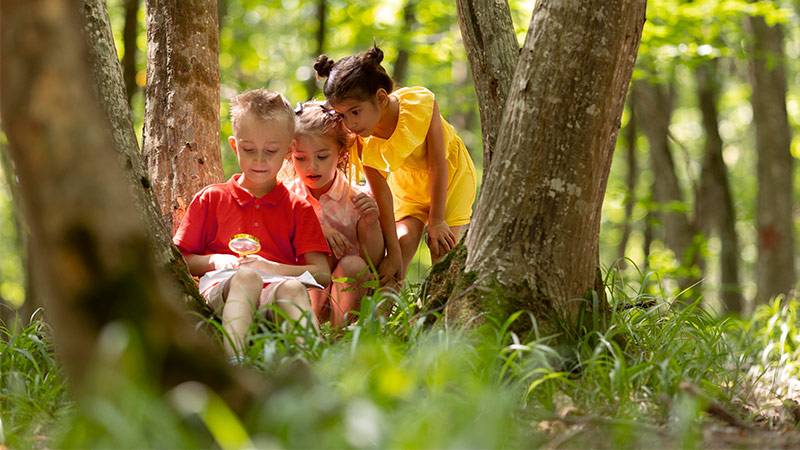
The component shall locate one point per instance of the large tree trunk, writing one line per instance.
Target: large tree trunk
(181, 127)
(319, 48)
(775, 272)
(94, 264)
(715, 201)
(107, 79)
(129, 35)
(535, 246)
(492, 49)
(404, 45)
(654, 102)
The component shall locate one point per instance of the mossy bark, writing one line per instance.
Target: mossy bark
(94, 259)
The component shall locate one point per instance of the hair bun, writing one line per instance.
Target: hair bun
(374, 55)
(323, 66)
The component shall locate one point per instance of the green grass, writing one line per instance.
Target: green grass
(396, 382)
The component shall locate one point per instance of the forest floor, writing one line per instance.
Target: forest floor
(655, 378)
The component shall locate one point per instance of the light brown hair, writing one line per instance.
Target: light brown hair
(265, 104)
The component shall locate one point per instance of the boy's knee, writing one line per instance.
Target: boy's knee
(292, 290)
(247, 279)
(351, 266)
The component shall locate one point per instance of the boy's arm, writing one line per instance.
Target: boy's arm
(440, 237)
(316, 265)
(391, 266)
(200, 264)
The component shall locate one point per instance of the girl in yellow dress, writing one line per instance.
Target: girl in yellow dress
(431, 180)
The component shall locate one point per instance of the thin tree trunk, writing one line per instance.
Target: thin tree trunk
(492, 49)
(404, 46)
(776, 267)
(129, 35)
(181, 127)
(94, 264)
(536, 246)
(630, 134)
(715, 201)
(108, 81)
(322, 14)
(655, 103)
(222, 13)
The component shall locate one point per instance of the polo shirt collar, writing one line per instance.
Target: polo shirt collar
(244, 197)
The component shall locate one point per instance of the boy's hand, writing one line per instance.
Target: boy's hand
(440, 239)
(367, 207)
(257, 262)
(336, 241)
(219, 261)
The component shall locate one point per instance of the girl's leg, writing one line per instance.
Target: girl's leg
(320, 303)
(371, 239)
(409, 231)
(346, 296)
(240, 303)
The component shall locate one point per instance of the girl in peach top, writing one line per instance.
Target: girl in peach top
(349, 217)
(431, 181)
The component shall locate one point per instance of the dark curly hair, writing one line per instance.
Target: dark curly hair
(353, 77)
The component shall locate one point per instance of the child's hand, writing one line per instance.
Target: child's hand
(336, 241)
(257, 262)
(219, 261)
(390, 270)
(367, 207)
(440, 239)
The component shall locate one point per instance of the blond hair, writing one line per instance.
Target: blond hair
(316, 118)
(265, 104)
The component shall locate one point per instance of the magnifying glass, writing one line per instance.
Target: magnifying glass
(244, 244)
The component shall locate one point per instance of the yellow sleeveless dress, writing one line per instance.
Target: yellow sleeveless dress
(403, 158)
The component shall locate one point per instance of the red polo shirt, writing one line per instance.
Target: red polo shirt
(285, 224)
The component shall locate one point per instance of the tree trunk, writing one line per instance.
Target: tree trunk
(535, 247)
(404, 46)
(775, 273)
(655, 103)
(129, 35)
(492, 49)
(631, 176)
(94, 264)
(107, 79)
(715, 201)
(181, 127)
(322, 13)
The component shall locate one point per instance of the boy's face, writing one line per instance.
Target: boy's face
(261, 146)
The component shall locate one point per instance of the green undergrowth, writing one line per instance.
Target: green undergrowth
(395, 381)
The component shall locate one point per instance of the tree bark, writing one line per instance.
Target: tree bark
(107, 79)
(181, 127)
(488, 34)
(775, 272)
(714, 204)
(129, 35)
(631, 176)
(94, 264)
(404, 46)
(655, 103)
(322, 14)
(535, 246)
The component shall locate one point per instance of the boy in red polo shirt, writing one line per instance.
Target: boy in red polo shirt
(253, 202)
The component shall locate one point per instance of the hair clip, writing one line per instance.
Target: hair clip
(330, 112)
(298, 109)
